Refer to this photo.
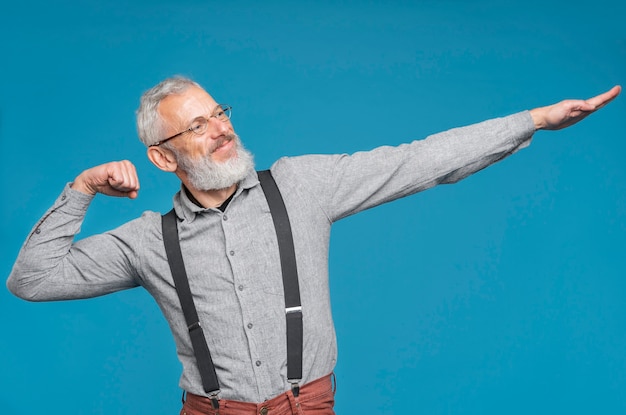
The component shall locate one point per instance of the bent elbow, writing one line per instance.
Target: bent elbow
(22, 290)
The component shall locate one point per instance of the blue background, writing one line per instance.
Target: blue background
(504, 293)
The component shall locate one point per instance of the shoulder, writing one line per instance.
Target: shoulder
(306, 167)
(145, 227)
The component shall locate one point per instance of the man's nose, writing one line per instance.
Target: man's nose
(220, 126)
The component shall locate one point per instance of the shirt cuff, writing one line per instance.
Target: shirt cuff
(73, 201)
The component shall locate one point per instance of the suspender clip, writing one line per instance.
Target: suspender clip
(194, 326)
(297, 309)
(215, 403)
(295, 388)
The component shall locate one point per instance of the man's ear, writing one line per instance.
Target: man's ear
(162, 158)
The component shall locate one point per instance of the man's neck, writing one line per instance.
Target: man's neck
(211, 198)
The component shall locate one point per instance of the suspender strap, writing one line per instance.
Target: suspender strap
(200, 347)
(293, 308)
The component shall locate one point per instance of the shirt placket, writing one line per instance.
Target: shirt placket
(248, 297)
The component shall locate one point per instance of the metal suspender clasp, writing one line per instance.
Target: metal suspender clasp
(290, 310)
(194, 326)
(295, 387)
(215, 402)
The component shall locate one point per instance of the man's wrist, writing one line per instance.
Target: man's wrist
(80, 186)
(538, 116)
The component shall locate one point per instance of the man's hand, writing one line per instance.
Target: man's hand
(569, 112)
(117, 178)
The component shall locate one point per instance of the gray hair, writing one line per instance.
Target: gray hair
(149, 122)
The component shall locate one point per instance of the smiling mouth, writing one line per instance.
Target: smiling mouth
(222, 142)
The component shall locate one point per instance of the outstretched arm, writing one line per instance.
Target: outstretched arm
(569, 112)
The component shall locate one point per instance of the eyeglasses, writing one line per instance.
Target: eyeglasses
(201, 124)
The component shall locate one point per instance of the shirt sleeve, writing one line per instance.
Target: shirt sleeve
(51, 266)
(346, 184)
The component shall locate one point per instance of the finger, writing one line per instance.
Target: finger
(601, 100)
(132, 172)
(116, 177)
(123, 177)
(129, 174)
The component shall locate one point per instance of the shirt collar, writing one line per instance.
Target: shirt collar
(188, 210)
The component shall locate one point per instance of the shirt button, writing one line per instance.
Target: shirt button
(249, 325)
(37, 230)
(225, 217)
(232, 253)
(240, 288)
(63, 197)
(258, 363)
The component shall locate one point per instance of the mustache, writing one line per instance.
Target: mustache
(223, 140)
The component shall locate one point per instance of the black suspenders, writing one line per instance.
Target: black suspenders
(200, 347)
(293, 308)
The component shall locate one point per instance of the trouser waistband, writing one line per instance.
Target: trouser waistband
(316, 397)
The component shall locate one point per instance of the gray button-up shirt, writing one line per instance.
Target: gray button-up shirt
(231, 257)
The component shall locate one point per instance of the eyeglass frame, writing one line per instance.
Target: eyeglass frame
(226, 109)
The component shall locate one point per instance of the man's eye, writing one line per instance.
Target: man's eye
(197, 127)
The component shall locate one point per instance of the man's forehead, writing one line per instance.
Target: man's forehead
(192, 96)
(191, 103)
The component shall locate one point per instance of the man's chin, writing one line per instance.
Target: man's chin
(213, 174)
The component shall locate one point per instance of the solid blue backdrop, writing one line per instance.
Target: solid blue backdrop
(503, 293)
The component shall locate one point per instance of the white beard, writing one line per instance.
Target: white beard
(206, 174)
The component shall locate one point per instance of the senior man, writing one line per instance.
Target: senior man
(230, 245)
